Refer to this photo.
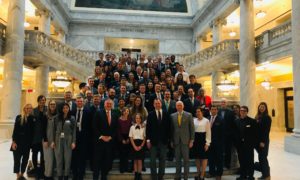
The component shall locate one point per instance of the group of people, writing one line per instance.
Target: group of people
(131, 106)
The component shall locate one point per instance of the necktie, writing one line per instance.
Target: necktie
(158, 96)
(78, 115)
(159, 115)
(70, 104)
(179, 119)
(212, 120)
(167, 105)
(108, 117)
(192, 101)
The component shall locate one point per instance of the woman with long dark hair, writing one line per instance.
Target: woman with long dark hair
(22, 139)
(64, 141)
(138, 108)
(264, 125)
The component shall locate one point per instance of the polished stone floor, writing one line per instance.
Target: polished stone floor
(284, 165)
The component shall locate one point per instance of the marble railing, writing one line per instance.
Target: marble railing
(65, 50)
(94, 54)
(225, 46)
(2, 38)
(271, 36)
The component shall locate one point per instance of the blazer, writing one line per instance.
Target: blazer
(172, 107)
(228, 120)
(101, 126)
(189, 107)
(68, 127)
(158, 131)
(186, 132)
(151, 100)
(86, 124)
(264, 127)
(217, 130)
(22, 134)
(246, 132)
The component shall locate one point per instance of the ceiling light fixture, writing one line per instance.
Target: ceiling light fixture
(61, 82)
(266, 84)
(232, 34)
(226, 85)
(261, 14)
(26, 24)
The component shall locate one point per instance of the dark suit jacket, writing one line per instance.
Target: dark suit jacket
(189, 107)
(86, 125)
(246, 132)
(22, 134)
(217, 130)
(151, 100)
(158, 131)
(228, 121)
(172, 107)
(264, 127)
(101, 126)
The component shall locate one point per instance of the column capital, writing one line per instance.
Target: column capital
(217, 22)
(44, 12)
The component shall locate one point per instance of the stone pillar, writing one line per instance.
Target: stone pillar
(44, 21)
(216, 26)
(13, 66)
(292, 143)
(42, 80)
(216, 77)
(247, 57)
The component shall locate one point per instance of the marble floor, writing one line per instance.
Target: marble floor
(284, 165)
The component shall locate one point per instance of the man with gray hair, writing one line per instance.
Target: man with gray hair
(182, 138)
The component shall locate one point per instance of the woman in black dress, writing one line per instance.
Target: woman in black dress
(201, 143)
(22, 139)
(264, 125)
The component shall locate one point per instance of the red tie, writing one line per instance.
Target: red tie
(108, 117)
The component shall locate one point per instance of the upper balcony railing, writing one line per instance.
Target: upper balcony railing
(94, 54)
(44, 41)
(272, 36)
(211, 52)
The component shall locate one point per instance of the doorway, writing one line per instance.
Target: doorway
(289, 109)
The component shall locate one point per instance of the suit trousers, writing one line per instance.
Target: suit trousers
(36, 148)
(215, 160)
(182, 152)
(18, 155)
(49, 160)
(63, 157)
(263, 159)
(160, 149)
(103, 157)
(246, 157)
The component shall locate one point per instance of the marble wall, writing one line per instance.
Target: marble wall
(91, 36)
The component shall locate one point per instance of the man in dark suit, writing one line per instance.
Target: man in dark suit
(191, 103)
(145, 96)
(193, 84)
(104, 129)
(182, 138)
(227, 116)
(156, 95)
(123, 93)
(181, 94)
(111, 96)
(246, 133)
(80, 153)
(169, 105)
(158, 136)
(216, 147)
(98, 62)
(68, 100)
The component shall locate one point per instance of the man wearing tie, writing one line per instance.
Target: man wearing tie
(158, 135)
(105, 129)
(182, 138)
(145, 96)
(215, 158)
(79, 154)
(156, 95)
(191, 103)
(169, 105)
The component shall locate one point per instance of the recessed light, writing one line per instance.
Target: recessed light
(232, 34)
(261, 14)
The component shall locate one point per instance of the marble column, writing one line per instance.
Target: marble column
(292, 143)
(247, 57)
(42, 72)
(216, 26)
(44, 21)
(13, 66)
(216, 77)
(42, 80)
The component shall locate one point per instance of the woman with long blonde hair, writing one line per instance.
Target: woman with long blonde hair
(22, 139)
